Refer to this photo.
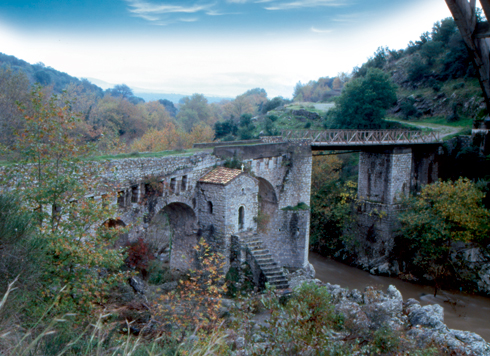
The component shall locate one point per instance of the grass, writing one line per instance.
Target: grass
(187, 152)
(108, 157)
(441, 120)
(448, 130)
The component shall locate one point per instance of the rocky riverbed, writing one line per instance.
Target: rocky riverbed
(425, 325)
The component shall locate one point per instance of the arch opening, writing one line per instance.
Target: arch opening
(115, 224)
(268, 204)
(241, 218)
(173, 232)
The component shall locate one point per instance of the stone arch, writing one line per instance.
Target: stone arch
(268, 203)
(122, 238)
(174, 229)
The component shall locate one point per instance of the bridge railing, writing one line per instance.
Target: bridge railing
(362, 137)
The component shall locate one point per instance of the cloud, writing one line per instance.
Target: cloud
(218, 13)
(316, 30)
(349, 17)
(192, 19)
(237, 1)
(151, 11)
(304, 3)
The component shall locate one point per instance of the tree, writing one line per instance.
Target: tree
(171, 109)
(363, 102)
(194, 109)
(52, 180)
(245, 132)
(120, 90)
(332, 194)
(156, 115)
(443, 214)
(223, 129)
(13, 87)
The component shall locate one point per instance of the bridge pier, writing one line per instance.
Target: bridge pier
(386, 177)
(384, 174)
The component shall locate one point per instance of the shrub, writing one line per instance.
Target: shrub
(139, 256)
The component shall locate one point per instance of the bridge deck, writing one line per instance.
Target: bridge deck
(342, 139)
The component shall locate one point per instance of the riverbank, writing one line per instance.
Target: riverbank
(462, 311)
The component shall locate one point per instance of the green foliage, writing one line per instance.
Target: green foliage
(21, 249)
(223, 129)
(157, 273)
(273, 104)
(317, 91)
(233, 163)
(304, 323)
(299, 206)
(52, 180)
(408, 109)
(363, 102)
(246, 127)
(332, 196)
(386, 340)
(443, 214)
(418, 69)
(194, 110)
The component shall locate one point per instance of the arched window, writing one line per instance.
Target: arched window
(210, 207)
(241, 217)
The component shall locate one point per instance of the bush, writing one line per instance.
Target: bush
(444, 213)
(408, 109)
(139, 256)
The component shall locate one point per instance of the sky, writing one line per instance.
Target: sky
(214, 47)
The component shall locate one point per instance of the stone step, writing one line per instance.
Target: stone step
(276, 278)
(272, 269)
(274, 274)
(263, 262)
(262, 254)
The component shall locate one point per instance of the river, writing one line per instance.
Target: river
(461, 311)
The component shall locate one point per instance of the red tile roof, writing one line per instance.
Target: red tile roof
(221, 175)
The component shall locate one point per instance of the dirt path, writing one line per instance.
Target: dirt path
(442, 129)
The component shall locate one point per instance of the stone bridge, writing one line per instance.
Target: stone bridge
(260, 212)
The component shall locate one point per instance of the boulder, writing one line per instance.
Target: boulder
(430, 316)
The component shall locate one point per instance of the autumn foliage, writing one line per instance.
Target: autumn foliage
(195, 305)
(445, 213)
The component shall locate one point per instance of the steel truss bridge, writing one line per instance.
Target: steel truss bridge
(338, 139)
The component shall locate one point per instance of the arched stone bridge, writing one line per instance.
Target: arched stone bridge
(261, 213)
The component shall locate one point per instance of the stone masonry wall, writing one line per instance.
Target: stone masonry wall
(287, 167)
(384, 176)
(241, 192)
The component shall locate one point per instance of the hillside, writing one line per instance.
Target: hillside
(434, 77)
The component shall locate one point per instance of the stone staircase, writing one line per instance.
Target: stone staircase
(273, 273)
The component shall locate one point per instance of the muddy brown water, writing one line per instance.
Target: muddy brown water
(461, 311)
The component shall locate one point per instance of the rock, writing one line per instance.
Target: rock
(137, 284)
(384, 308)
(309, 270)
(473, 255)
(353, 314)
(305, 114)
(431, 316)
(356, 296)
(484, 282)
(470, 342)
(168, 287)
(384, 269)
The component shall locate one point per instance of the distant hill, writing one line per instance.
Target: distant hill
(148, 96)
(45, 75)
(49, 76)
